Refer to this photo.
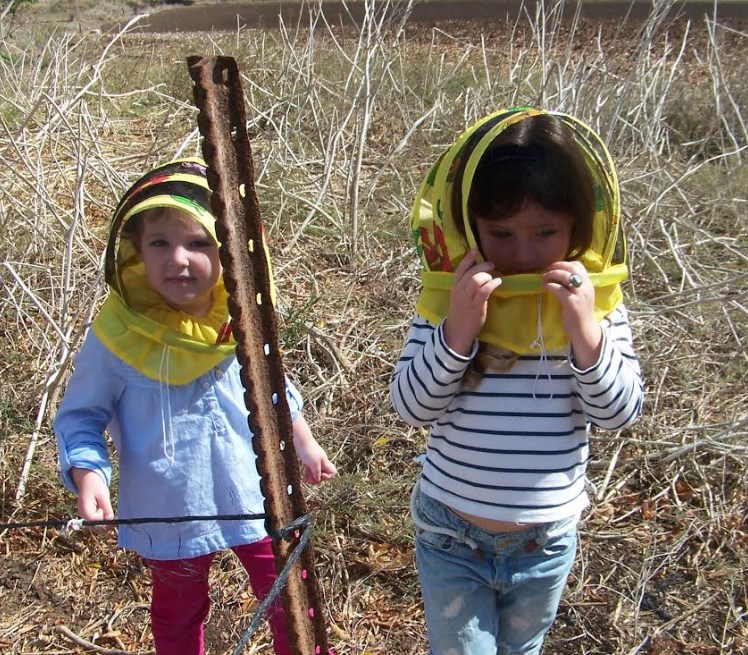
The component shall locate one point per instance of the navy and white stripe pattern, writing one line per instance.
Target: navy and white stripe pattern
(515, 448)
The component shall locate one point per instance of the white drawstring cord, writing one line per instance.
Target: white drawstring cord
(544, 362)
(167, 444)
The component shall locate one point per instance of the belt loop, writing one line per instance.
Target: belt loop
(541, 538)
(538, 538)
(460, 535)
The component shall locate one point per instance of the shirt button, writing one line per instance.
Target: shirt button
(219, 374)
(212, 405)
(206, 385)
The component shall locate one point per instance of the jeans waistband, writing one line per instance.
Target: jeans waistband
(477, 539)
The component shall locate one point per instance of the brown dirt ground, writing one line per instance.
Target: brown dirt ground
(233, 16)
(170, 16)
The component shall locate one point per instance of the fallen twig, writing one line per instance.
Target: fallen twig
(93, 647)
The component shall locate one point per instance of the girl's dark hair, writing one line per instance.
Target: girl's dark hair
(535, 159)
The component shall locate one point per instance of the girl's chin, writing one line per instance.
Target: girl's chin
(191, 306)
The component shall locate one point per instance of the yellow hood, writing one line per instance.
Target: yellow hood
(520, 307)
(134, 323)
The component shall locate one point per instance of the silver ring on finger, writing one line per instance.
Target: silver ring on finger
(575, 281)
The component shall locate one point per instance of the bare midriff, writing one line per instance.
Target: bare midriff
(491, 525)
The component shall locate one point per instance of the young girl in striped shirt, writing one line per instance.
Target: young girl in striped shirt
(519, 345)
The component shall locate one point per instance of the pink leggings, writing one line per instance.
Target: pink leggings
(180, 601)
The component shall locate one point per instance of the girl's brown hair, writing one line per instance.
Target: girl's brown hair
(535, 159)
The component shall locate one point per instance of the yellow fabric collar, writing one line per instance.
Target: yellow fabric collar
(134, 322)
(162, 344)
(520, 312)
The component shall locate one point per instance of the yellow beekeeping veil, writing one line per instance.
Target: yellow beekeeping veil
(134, 323)
(520, 308)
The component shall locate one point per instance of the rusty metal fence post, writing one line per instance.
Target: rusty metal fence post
(226, 149)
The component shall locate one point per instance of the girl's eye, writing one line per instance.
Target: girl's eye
(546, 234)
(158, 243)
(202, 243)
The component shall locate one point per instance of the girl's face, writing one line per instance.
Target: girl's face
(527, 242)
(181, 260)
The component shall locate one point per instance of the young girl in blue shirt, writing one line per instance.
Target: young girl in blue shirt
(519, 345)
(158, 374)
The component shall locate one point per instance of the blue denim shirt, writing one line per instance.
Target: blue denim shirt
(183, 451)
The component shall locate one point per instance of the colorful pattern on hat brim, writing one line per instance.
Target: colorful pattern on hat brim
(135, 200)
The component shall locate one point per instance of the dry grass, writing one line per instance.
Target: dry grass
(343, 126)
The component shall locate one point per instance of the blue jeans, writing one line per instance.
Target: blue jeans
(488, 593)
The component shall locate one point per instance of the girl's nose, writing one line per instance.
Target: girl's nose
(524, 254)
(179, 256)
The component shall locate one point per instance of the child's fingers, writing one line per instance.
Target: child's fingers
(321, 471)
(107, 515)
(312, 475)
(488, 287)
(329, 469)
(467, 261)
(94, 508)
(467, 268)
(107, 512)
(104, 504)
(88, 508)
(569, 275)
(473, 293)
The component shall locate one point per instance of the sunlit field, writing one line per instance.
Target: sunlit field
(344, 122)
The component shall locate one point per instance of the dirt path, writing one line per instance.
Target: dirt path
(230, 17)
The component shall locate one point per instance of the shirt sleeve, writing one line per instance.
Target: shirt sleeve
(85, 411)
(427, 375)
(611, 391)
(294, 398)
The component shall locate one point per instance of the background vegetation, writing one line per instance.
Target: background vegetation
(344, 122)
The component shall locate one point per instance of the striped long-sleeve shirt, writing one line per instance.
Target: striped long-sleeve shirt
(515, 447)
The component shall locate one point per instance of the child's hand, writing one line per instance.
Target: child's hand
(577, 310)
(468, 302)
(94, 503)
(316, 465)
